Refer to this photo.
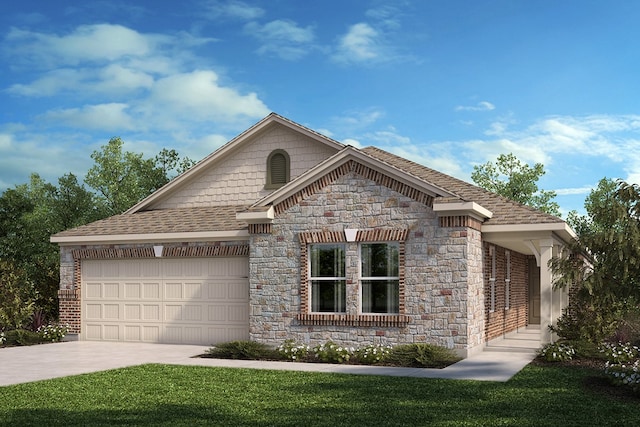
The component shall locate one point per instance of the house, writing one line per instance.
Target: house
(284, 233)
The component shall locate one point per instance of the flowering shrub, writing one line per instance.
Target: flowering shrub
(620, 353)
(373, 353)
(623, 364)
(557, 352)
(52, 332)
(3, 338)
(332, 353)
(624, 374)
(292, 351)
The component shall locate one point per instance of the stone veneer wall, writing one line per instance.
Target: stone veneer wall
(438, 289)
(71, 256)
(502, 319)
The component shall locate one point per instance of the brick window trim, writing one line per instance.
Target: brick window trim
(307, 317)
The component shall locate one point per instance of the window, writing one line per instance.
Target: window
(492, 279)
(507, 280)
(277, 169)
(327, 278)
(380, 277)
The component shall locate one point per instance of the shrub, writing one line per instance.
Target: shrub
(52, 332)
(623, 364)
(372, 354)
(16, 302)
(245, 350)
(421, 355)
(22, 337)
(330, 352)
(289, 350)
(3, 338)
(557, 352)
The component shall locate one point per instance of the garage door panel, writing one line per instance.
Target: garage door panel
(197, 301)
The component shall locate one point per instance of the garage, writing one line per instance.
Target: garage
(180, 301)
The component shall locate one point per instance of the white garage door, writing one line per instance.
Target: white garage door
(182, 301)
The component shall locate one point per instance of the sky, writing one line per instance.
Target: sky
(450, 84)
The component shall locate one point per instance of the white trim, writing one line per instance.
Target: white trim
(148, 238)
(462, 208)
(562, 228)
(337, 160)
(254, 217)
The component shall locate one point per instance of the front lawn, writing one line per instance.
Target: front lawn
(180, 395)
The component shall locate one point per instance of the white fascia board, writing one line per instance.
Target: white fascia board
(253, 217)
(462, 208)
(148, 238)
(561, 229)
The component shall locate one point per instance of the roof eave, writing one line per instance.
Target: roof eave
(152, 237)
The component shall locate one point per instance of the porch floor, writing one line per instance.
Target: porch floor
(523, 340)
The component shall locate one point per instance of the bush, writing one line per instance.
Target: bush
(16, 302)
(372, 354)
(557, 352)
(22, 337)
(623, 364)
(421, 355)
(245, 350)
(330, 352)
(289, 350)
(52, 332)
(3, 338)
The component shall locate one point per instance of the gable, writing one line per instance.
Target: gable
(239, 176)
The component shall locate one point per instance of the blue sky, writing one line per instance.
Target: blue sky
(449, 84)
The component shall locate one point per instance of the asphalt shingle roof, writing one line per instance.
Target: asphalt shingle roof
(179, 220)
(504, 211)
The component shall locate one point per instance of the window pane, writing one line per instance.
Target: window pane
(328, 296)
(327, 260)
(380, 296)
(380, 259)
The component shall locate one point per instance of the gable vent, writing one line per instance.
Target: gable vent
(277, 169)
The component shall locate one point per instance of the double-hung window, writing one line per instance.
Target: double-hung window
(327, 278)
(380, 277)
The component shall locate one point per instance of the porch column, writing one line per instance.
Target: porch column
(546, 291)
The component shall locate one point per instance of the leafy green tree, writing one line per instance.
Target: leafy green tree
(16, 303)
(511, 178)
(122, 178)
(605, 260)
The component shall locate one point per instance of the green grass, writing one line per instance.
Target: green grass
(161, 395)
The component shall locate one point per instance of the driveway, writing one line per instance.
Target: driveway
(46, 361)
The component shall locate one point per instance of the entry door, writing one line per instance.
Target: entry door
(534, 292)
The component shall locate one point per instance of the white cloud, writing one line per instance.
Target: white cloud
(480, 106)
(574, 191)
(282, 38)
(198, 95)
(360, 44)
(232, 9)
(99, 42)
(110, 117)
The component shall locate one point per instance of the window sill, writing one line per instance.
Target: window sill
(379, 320)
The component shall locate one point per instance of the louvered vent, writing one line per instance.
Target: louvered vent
(278, 169)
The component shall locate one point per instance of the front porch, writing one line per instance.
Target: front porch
(523, 340)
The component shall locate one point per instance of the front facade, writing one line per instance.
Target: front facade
(286, 234)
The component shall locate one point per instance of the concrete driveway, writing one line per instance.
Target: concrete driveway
(46, 361)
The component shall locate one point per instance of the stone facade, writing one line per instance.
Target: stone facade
(443, 298)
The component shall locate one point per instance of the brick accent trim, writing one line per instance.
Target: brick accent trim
(305, 317)
(259, 228)
(174, 252)
(377, 320)
(362, 170)
(460, 221)
(69, 303)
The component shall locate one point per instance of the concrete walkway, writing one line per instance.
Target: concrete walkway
(46, 361)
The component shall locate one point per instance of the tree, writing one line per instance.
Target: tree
(511, 178)
(604, 263)
(122, 178)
